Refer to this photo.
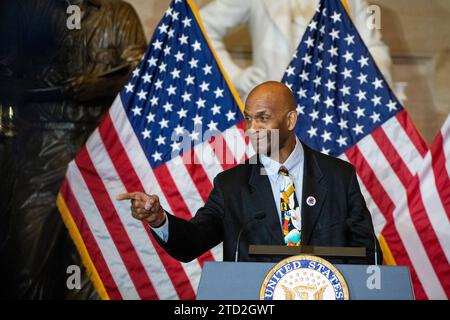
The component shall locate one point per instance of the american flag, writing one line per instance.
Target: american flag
(174, 126)
(346, 109)
(434, 177)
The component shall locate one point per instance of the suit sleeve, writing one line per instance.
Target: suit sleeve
(190, 239)
(359, 222)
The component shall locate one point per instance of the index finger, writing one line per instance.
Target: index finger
(131, 196)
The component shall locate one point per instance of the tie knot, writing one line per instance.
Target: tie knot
(283, 171)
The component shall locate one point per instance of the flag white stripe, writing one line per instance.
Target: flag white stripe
(190, 195)
(100, 232)
(249, 150)
(402, 217)
(212, 167)
(185, 186)
(382, 169)
(432, 203)
(135, 230)
(445, 132)
(134, 151)
(403, 145)
(419, 259)
(378, 220)
(144, 171)
(235, 143)
(208, 159)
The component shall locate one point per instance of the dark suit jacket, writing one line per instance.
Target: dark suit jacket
(339, 218)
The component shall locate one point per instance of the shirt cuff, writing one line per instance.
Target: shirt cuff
(163, 231)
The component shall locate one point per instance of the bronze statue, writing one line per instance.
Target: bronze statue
(60, 83)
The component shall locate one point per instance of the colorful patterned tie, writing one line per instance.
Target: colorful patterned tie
(290, 210)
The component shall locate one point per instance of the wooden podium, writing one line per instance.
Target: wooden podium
(323, 252)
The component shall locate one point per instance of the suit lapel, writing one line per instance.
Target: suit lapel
(262, 197)
(315, 189)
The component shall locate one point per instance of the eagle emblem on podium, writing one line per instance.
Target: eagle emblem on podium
(304, 278)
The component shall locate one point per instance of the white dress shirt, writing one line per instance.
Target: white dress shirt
(294, 164)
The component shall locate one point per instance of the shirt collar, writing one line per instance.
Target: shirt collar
(292, 163)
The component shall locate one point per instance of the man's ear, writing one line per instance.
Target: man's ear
(292, 120)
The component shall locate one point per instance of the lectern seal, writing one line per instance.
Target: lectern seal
(304, 278)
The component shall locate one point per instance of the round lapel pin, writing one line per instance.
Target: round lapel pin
(311, 201)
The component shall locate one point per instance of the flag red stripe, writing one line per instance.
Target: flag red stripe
(92, 247)
(131, 181)
(386, 207)
(378, 194)
(171, 193)
(441, 175)
(198, 174)
(116, 229)
(241, 127)
(428, 236)
(176, 202)
(411, 131)
(203, 186)
(390, 153)
(222, 152)
(416, 207)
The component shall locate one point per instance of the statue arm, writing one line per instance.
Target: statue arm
(130, 35)
(130, 43)
(218, 18)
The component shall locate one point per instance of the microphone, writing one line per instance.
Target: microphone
(258, 216)
(376, 249)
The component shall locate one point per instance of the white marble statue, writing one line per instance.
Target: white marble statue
(276, 28)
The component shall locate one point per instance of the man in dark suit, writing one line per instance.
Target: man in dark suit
(261, 196)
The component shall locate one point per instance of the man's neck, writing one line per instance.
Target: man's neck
(283, 154)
